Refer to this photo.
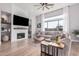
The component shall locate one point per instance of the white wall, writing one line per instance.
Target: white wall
(32, 12)
(66, 19)
(74, 17)
(33, 25)
(72, 12)
(0, 28)
(71, 17)
(7, 8)
(18, 11)
(13, 9)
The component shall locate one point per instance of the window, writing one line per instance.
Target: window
(45, 24)
(61, 22)
(54, 22)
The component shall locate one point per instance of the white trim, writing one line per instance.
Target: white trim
(0, 27)
(54, 18)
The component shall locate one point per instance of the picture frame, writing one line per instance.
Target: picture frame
(39, 25)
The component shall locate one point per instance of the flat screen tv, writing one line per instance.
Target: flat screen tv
(21, 21)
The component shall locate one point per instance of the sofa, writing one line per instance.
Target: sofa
(48, 34)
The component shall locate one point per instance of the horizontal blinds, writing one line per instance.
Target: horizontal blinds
(53, 13)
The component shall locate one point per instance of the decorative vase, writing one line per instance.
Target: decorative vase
(58, 41)
(5, 38)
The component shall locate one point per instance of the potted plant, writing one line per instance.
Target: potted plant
(76, 32)
(58, 40)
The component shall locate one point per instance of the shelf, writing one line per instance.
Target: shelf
(5, 31)
(5, 23)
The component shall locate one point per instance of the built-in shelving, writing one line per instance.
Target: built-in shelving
(5, 25)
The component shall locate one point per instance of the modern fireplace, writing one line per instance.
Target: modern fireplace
(20, 35)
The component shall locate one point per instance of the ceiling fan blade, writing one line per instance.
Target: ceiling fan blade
(46, 7)
(50, 4)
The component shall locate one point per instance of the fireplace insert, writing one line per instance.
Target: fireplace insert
(20, 35)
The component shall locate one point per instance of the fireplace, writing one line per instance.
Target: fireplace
(20, 35)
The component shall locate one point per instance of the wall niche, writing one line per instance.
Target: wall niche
(5, 26)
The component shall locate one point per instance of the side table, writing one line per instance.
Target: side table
(50, 48)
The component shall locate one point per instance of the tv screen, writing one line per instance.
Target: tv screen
(21, 21)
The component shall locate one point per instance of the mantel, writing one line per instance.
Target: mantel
(20, 28)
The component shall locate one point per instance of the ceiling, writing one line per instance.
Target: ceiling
(34, 11)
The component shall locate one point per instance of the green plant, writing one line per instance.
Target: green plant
(57, 40)
(76, 32)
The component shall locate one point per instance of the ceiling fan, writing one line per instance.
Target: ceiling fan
(44, 5)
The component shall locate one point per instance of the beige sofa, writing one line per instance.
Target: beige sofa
(48, 34)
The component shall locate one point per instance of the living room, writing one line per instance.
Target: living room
(26, 26)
